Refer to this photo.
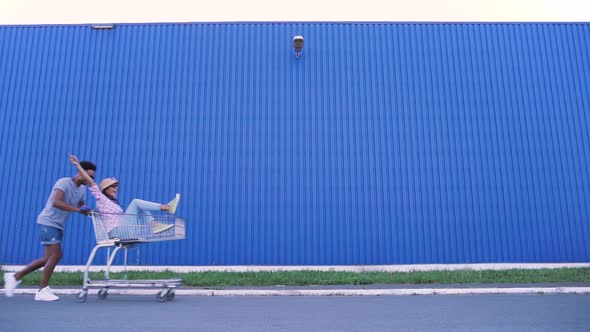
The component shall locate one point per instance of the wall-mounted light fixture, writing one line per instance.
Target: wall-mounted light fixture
(298, 45)
(103, 26)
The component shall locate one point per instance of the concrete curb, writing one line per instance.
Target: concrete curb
(327, 292)
(339, 268)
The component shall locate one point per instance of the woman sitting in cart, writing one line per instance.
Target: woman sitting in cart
(111, 212)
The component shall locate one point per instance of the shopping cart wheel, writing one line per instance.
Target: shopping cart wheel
(170, 294)
(82, 296)
(102, 293)
(161, 296)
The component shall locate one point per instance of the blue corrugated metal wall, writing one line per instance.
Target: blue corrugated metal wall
(384, 144)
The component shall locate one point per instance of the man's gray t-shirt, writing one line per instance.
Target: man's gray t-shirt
(73, 195)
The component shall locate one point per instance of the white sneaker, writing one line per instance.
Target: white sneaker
(173, 204)
(159, 227)
(10, 284)
(45, 294)
(51, 291)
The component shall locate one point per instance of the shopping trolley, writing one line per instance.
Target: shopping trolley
(133, 230)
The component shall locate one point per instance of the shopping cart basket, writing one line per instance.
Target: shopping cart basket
(132, 230)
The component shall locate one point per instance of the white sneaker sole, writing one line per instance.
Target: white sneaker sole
(162, 229)
(46, 300)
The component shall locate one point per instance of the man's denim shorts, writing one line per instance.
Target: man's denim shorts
(50, 235)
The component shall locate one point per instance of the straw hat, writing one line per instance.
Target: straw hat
(104, 184)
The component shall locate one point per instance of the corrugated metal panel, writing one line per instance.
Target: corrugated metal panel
(383, 144)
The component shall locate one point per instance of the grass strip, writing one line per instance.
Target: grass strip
(303, 278)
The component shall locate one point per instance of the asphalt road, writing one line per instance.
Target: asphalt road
(304, 313)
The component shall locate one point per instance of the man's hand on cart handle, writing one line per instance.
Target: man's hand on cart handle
(85, 210)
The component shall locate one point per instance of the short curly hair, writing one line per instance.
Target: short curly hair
(87, 165)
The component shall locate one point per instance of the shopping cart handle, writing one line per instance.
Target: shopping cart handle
(85, 210)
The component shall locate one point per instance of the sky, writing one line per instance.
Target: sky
(134, 11)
